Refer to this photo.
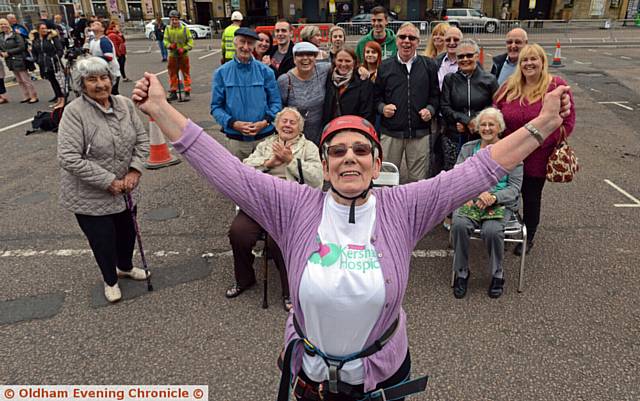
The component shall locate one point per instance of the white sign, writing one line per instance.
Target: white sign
(597, 8)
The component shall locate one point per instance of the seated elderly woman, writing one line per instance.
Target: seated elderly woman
(288, 155)
(489, 211)
(102, 146)
(348, 250)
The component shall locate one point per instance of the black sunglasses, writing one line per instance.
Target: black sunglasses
(359, 149)
(410, 37)
(452, 40)
(465, 55)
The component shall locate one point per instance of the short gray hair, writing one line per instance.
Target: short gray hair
(468, 43)
(295, 112)
(309, 32)
(493, 113)
(411, 25)
(87, 67)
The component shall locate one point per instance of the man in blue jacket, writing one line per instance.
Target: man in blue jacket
(245, 97)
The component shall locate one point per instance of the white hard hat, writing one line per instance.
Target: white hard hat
(236, 16)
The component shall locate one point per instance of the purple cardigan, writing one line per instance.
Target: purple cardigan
(291, 213)
(516, 115)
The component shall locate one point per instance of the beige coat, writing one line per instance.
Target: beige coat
(303, 150)
(95, 147)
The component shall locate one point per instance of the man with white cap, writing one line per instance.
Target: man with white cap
(228, 49)
(244, 97)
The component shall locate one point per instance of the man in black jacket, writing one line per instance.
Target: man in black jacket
(505, 64)
(282, 52)
(408, 97)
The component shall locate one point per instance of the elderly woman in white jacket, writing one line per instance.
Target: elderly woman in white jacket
(288, 155)
(102, 145)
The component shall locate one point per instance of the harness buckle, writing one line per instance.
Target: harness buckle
(381, 395)
(334, 375)
(309, 348)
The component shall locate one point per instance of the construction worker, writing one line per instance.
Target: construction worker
(178, 40)
(228, 49)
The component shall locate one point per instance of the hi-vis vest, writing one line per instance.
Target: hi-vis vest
(228, 49)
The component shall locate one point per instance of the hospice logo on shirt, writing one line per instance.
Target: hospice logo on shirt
(351, 257)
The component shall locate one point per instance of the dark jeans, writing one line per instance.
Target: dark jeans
(401, 374)
(531, 200)
(3, 90)
(51, 77)
(114, 87)
(112, 238)
(243, 235)
(121, 61)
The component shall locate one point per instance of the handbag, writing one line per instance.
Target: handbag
(563, 163)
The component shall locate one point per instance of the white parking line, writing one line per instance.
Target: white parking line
(16, 124)
(625, 58)
(210, 54)
(625, 193)
(619, 103)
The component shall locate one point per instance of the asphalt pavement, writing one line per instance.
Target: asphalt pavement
(571, 335)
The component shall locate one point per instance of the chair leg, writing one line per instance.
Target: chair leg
(522, 258)
(265, 275)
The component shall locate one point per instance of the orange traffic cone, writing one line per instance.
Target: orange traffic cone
(481, 58)
(557, 58)
(159, 155)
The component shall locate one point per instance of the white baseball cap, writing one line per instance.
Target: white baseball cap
(236, 16)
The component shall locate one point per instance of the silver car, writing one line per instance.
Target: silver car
(197, 31)
(471, 18)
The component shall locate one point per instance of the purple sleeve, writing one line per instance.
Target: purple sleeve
(268, 200)
(426, 202)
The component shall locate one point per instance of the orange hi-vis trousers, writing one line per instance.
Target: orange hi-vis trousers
(183, 63)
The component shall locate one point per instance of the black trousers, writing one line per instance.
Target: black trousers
(112, 238)
(121, 61)
(531, 200)
(401, 374)
(51, 77)
(114, 87)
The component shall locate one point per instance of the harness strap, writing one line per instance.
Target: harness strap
(401, 390)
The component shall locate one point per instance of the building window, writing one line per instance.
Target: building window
(4, 6)
(134, 9)
(167, 6)
(100, 9)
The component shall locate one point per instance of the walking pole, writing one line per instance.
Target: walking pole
(129, 203)
(179, 80)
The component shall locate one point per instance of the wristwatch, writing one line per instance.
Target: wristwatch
(534, 132)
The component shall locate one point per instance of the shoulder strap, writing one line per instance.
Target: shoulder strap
(300, 174)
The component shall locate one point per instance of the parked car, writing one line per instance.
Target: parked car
(361, 24)
(471, 18)
(197, 31)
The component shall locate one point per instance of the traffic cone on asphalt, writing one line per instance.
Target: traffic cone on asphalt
(557, 57)
(159, 154)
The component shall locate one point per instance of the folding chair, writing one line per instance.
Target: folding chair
(514, 231)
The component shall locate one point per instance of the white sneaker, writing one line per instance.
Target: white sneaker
(112, 293)
(135, 273)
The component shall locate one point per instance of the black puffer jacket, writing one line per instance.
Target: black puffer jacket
(410, 93)
(287, 62)
(47, 52)
(15, 46)
(465, 96)
(357, 100)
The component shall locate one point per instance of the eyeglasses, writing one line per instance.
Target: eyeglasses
(517, 42)
(465, 55)
(359, 149)
(410, 37)
(452, 40)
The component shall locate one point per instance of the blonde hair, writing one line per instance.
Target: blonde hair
(431, 50)
(308, 32)
(514, 87)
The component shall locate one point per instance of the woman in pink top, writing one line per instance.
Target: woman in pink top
(376, 226)
(520, 99)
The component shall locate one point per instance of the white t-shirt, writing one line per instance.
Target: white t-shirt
(100, 48)
(342, 290)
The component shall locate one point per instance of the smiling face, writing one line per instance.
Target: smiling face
(370, 56)
(467, 58)
(438, 39)
(42, 30)
(283, 33)
(451, 39)
(350, 174)
(288, 126)
(4, 26)
(175, 22)
(531, 65)
(344, 62)
(305, 62)
(407, 41)
(516, 40)
(263, 45)
(379, 23)
(98, 88)
(316, 39)
(489, 128)
(244, 47)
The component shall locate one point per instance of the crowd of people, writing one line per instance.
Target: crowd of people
(474, 143)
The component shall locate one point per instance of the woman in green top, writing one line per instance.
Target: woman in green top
(489, 211)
